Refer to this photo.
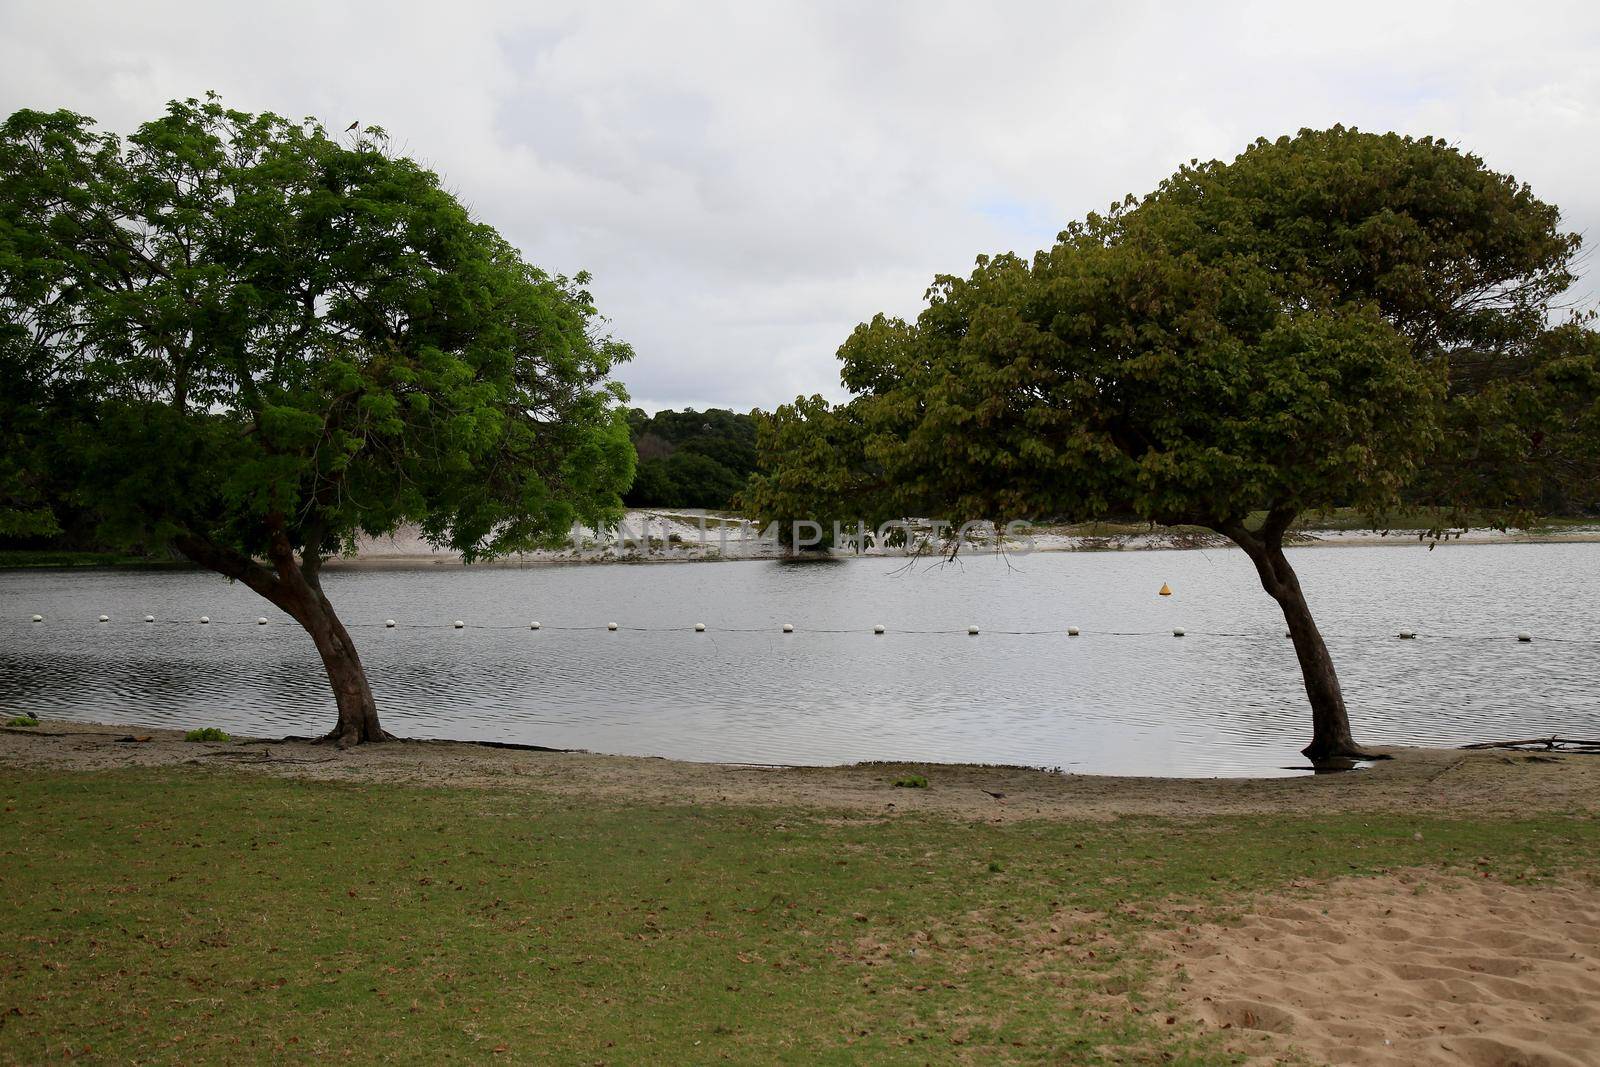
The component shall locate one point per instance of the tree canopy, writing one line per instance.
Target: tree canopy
(260, 341)
(691, 459)
(1327, 321)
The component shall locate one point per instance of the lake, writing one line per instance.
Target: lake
(1126, 697)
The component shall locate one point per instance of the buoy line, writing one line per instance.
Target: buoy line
(877, 629)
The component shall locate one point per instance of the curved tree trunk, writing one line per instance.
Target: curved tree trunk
(295, 587)
(1330, 723)
(358, 712)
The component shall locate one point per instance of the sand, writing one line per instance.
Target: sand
(1432, 781)
(1404, 970)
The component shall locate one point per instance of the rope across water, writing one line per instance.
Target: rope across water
(879, 630)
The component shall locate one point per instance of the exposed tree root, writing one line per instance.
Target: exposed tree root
(1342, 752)
(353, 737)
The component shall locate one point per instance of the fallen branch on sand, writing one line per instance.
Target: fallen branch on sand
(1547, 744)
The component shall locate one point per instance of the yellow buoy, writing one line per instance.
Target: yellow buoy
(1166, 590)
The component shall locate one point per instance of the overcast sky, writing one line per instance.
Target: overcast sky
(747, 181)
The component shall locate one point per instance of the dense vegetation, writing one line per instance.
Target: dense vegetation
(691, 459)
(1330, 320)
(252, 341)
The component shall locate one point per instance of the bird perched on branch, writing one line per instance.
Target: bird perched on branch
(352, 126)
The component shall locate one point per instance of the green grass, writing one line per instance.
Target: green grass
(195, 917)
(22, 720)
(208, 733)
(712, 519)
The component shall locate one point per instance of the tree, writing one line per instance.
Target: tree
(26, 507)
(813, 470)
(698, 481)
(1300, 329)
(691, 459)
(277, 341)
(1523, 439)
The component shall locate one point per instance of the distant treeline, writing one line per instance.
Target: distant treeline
(691, 459)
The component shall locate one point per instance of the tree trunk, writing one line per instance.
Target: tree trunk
(358, 712)
(1331, 739)
(295, 587)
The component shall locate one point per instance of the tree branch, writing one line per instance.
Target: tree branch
(1277, 523)
(229, 563)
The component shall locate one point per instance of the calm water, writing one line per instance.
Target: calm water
(1126, 697)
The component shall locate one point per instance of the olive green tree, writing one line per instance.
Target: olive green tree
(1252, 341)
(276, 340)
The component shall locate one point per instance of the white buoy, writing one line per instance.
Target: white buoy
(611, 626)
(1072, 631)
(1177, 633)
(1406, 635)
(1524, 637)
(878, 629)
(205, 619)
(788, 629)
(262, 621)
(389, 623)
(149, 618)
(38, 618)
(459, 624)
(105, 618)
(533, 625)
(699, 627)
(973, 630)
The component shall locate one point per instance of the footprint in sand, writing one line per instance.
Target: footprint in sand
(1414, 979)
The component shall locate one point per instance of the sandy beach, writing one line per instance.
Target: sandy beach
(1446, 782)
(1402, 970)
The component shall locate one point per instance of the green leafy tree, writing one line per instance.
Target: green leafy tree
(1309, 326)
(653, 486)
(814, 470)
(691, 459)
(1521, 437)
(701, 481)
(27, 509)
(278, 341)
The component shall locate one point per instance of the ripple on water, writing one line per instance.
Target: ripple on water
(1144, 704)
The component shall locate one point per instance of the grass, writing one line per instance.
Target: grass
(208, 733)
(712, 519)
(198, 917)
(22, 720)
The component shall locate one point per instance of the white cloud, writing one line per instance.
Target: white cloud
(748, 180)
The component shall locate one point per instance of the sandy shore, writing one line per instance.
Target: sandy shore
(1410, 968)
(683, 537)
(1435, 781)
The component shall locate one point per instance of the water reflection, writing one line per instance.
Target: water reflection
(1147, 703)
